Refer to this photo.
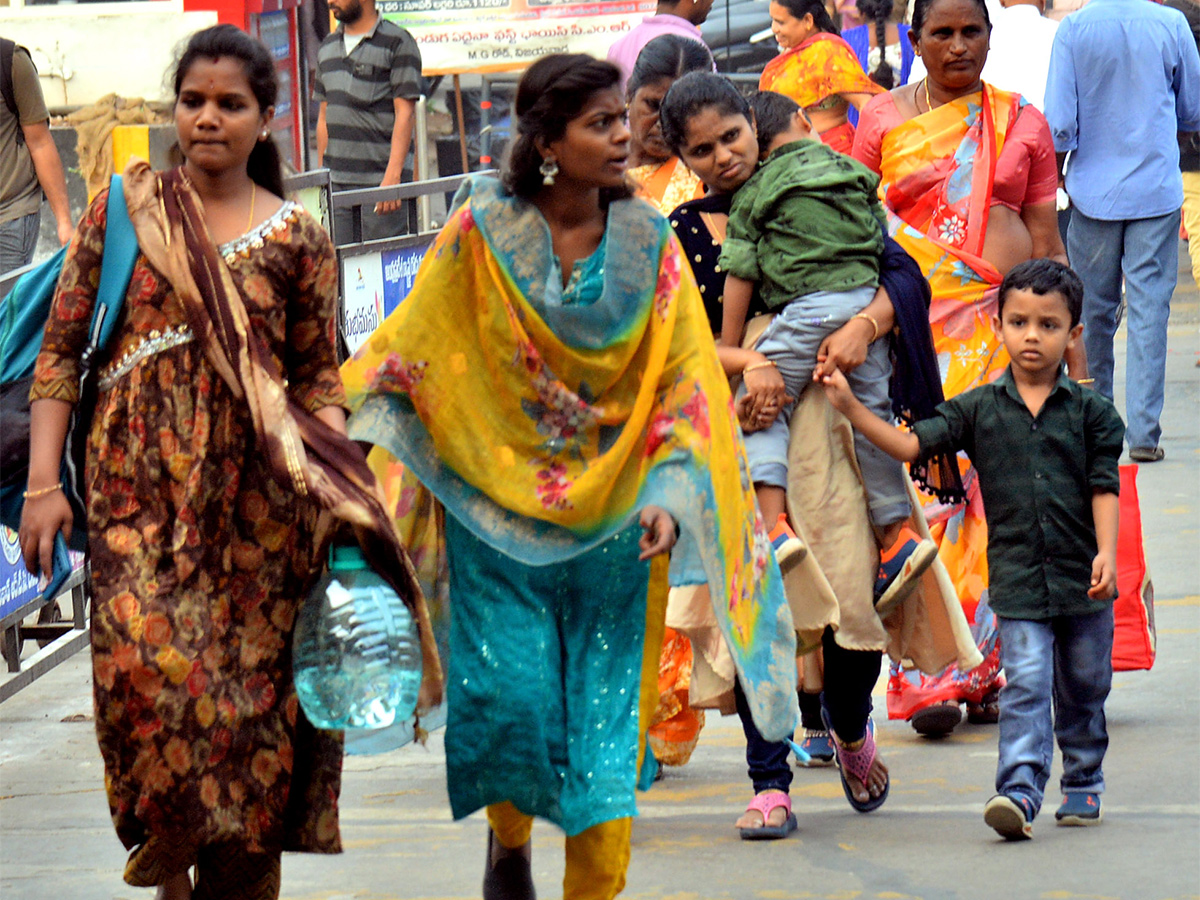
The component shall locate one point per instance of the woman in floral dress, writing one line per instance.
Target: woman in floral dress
(216, 451)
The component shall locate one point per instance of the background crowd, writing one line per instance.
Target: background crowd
(609, 571)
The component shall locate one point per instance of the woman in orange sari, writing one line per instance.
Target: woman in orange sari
(817, 69)
(968, 183)
(662, 180)
(665, 182)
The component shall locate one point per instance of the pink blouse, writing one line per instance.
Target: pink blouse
(1026, 171)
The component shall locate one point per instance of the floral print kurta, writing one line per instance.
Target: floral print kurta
(200, 557)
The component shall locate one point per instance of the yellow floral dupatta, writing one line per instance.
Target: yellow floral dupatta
(545, 427)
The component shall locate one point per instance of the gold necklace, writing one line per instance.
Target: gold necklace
(928, 102)
(253, 194)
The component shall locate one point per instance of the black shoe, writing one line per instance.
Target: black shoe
(986, 711)
(937, 720)
(511, 878)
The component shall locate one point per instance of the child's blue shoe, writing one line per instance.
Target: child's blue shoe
(900, 569)
(789, 549)
(1080, 808)
(1010, 816)
(819, 747)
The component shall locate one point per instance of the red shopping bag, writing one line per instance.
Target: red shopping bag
(1134, 639)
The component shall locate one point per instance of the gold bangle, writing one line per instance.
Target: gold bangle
(42, 492)
(874, 324)
(1086, 381)
(761, 365)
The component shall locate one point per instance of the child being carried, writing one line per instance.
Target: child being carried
(807, 229)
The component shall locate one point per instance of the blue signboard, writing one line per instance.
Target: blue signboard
(399, 273)
(17, 587)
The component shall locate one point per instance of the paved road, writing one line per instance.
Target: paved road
(928, 842)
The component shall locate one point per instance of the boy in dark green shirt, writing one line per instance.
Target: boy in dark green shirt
(807, 229)
(1046, 451)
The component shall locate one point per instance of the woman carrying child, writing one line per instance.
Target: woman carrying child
(710, 124)
(216, 455)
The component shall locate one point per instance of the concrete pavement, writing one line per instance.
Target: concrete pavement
(927, 842)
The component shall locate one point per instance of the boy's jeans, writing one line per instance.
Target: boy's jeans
(1067, 659)
(791, 341)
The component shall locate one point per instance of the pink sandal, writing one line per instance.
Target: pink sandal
(765, 804)
(858, 764)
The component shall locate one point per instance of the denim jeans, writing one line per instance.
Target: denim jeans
(18, 240)
(766, 761)
(1065, 663)
(1146, 252)
(791, 342)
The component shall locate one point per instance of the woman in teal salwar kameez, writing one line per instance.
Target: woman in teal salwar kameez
(551, 380)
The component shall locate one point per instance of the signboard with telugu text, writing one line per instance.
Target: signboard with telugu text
(480, 36)
(374, 284)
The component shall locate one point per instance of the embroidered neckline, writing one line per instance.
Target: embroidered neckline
(264, 229)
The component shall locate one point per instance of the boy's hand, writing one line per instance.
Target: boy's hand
(1104, 578)
(659, 536)
(837, 389)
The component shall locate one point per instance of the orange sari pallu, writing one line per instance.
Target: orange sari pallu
(937, 176)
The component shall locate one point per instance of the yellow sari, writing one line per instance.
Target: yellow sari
(937, 175)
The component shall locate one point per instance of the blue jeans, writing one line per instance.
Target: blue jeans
(1146, 251)
(18, 240)
(791, 342)
(1065, 661)
(767, 762)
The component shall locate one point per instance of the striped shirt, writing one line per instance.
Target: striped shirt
(359, 89)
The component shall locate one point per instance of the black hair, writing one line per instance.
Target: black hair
(921, 10)
(1045, 276)
(265, 167)
(690, 95)
(552, 92)
(878, 12)
(667, 56)
(821, 18)
(773, 115)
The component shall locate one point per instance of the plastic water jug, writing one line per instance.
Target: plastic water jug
(357, 654)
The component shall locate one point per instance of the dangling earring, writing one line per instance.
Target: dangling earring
(266, 133)
(548, 168)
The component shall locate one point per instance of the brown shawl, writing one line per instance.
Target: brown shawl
(303, 451)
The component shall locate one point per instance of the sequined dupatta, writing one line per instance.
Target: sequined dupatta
(545, 427)
(304, 453)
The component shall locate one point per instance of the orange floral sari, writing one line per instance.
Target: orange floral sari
(820, 67)
(674, 726)
(937, 177)
(667, 185)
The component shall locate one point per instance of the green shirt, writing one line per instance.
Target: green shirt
(1037, 475)
(808, 220)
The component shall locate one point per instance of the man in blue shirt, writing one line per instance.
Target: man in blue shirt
(1124, 79)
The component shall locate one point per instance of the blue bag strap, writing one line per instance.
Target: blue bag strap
(116, 268)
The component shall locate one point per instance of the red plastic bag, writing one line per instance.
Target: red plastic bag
(1135, 641)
